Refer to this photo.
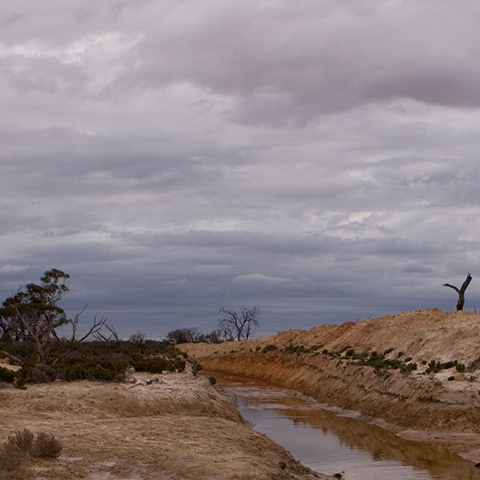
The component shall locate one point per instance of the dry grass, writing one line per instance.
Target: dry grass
(17, 452)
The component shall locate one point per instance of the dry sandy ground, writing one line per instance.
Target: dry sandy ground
(416, 405)
(177, 427)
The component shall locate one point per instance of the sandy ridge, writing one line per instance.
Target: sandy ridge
(415, 405)
(176, 427)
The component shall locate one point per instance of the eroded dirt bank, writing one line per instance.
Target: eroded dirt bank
(176, 427)
(421, 403)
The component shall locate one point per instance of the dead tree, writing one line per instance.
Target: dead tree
(461, 291)
(238, 326)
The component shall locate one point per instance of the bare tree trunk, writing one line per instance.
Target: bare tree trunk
(461, 291)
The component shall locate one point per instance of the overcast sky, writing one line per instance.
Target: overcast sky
(319, 159)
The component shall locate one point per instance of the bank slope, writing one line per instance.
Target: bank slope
(416, 370)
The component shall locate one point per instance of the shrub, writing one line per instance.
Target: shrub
(151, 365)
(13, 462)
(16, 452)
(80, 372)
(400, 354)
(116, 357)
(298, 349)
(460, 367)
(40, 374)
(23, 441)
(269, 348)
(46, 446)
(212, 380)
(408, 359)
(7, 375)
(20, 383)
(196, 368)
(451, 378)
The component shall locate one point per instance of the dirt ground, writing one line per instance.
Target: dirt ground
(169, 426)
(442, 407)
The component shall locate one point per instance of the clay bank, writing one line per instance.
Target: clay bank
(416, 373)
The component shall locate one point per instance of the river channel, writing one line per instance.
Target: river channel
(331, 443)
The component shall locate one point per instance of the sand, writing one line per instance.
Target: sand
(168, 426)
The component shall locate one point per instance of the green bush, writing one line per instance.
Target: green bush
(20, 383)
(83, 360)
(298, 349)
(269, 348)
(80, 372)
(460, 367)
(7, 375)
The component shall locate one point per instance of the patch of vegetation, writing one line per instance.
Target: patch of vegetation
(389, 350)
(435, 367)
(196, 368)
(96, 360)
(20, 383)
(269, 348)
(7, 376)
(378, 361)
(451, 378)
(299, 349)
(17, 452)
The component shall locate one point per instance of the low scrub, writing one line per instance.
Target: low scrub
(95, 360)
(18, 451)
(299, 349)
(379, 362)
(7, 376)
(435, 367)
(269, 348)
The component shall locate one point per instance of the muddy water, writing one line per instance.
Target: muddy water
(329, 443)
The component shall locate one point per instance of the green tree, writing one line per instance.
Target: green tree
(32, 314)
(33, 310)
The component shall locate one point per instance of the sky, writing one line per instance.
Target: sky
(317, 159)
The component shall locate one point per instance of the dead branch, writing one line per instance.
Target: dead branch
(11, 357)
(460, 291)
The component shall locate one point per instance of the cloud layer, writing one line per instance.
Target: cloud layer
(317, 159)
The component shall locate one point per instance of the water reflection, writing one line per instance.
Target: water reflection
(330, 443)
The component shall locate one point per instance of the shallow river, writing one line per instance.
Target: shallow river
(329, 443)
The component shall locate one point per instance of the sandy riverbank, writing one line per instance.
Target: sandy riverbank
(177, 427)
(441, 406)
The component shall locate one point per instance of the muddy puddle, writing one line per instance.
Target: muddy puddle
(329, 443)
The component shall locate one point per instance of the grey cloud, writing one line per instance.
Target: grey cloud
(319, 160)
